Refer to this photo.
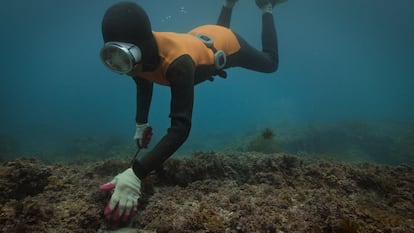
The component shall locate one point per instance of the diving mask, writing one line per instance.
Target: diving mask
(120, 57)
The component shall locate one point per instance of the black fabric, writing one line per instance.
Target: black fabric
(181, 77)
(269, 37)
(128, 22)
(140, 171)
(144, 97)
(249, 57)
(225, 17)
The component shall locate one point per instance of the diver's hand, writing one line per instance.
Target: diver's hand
(124, 200)
(143, 135)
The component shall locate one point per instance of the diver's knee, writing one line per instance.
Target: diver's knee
(182, 133)
(186, 133)
(272, 67)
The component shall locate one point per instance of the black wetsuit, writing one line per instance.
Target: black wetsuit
(182, 75)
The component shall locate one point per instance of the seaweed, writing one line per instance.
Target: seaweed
(265, 143)
(268, 133)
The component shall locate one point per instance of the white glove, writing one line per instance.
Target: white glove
(143, 135)
(125, 196)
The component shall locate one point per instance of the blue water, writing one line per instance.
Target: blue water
(339, 60)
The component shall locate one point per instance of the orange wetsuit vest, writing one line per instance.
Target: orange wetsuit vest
(173, 45)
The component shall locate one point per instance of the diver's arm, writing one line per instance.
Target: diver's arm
(181, 77)
(144, 97)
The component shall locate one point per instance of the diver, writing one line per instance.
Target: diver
(179, 61)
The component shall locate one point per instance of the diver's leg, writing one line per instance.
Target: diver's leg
(269, 36)
(225, 14)
(248, 57)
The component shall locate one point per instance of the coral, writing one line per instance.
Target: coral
(209, 219)
(215, 192)
(200, 166)
(253, 218)
(110, 166)
(40, 198)
(27, 215)
(21, 178)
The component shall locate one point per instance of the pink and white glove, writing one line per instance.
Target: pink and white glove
(143, 135)
(124, 199)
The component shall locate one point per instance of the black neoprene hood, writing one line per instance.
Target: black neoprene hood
(128, 22)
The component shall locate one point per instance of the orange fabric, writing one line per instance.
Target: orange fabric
(224, 38)
(173, 45)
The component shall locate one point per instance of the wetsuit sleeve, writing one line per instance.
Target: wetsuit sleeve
(180, 74)
(144, 97)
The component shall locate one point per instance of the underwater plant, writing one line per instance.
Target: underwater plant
(268, 133)
(265, 143)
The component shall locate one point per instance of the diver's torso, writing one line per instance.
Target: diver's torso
(172, 46)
